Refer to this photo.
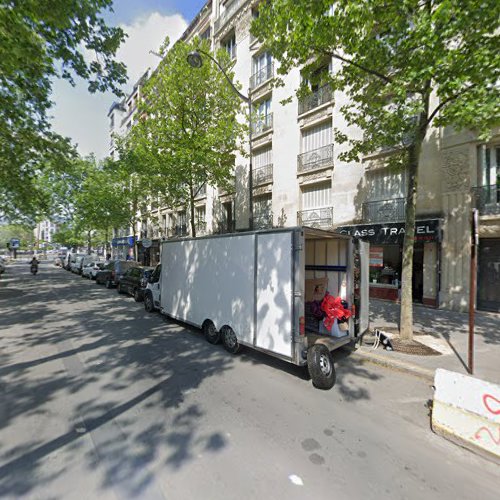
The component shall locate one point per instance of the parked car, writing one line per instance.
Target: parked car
(152, 292)
(89, 270)
(134, 282)
(112, 273)
(2, 265)
(70, 259)
(75, 267)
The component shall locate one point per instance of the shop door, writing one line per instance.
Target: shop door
(488, 291)
(418, 272)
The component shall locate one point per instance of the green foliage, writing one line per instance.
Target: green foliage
(189, 131)
(391, 58)
(405, 65)
(22, 231)
(41, 40)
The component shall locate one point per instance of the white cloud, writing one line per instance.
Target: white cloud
(83, 116)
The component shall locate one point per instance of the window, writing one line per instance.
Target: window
(385, 184)
(200, 217)
(262, 166)
(263, 121)
(229, 45)
(206, 34)
(262, 69)
(489, 165)
(262, 212)
(317, 137)
(317, 196)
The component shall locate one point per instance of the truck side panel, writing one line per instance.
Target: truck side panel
(274, 293)
(211, 278)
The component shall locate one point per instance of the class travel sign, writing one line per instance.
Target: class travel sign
(393, 232)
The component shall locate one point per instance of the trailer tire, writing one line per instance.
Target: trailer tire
(321, 369)
(210, 332)
(229, 340)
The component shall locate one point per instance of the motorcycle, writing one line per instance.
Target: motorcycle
(34, 269)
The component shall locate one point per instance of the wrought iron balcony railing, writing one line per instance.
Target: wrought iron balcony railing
(384, 210)
(317, 158)
(317, 98)
(263, 219)
(261, 76)
(317, 217)
(201, 227)
(262, 175)
(176, 231)
(226, 226)
(262, 124)
(487, 199)
(231, 9)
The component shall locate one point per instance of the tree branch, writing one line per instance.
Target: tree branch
(442, 104)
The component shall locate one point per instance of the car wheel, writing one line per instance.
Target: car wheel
(229, 340)
(210, 332)
(108, 284)
(321, 369)
(148, 303)
(137, 295)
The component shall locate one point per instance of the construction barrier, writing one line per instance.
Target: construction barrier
(466, 410)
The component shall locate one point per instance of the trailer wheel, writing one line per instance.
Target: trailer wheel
(230, 340)
(210, 332)
(321, 369)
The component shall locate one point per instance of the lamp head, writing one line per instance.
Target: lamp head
(194, 59)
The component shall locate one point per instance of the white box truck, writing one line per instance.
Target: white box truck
(263, 289)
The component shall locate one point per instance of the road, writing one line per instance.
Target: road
(99, 399)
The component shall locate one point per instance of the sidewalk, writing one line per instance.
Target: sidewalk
(449, 330)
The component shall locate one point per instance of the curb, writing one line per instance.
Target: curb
(395, 364)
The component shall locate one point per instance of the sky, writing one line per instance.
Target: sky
(82, 116)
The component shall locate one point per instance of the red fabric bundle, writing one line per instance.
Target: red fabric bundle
(333, 308)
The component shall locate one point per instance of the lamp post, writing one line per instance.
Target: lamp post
(195, 60)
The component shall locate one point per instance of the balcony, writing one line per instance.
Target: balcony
(317, 98)
(315, 159)
(201, 227)
(384, 210)
(263, 124)
(263, 219)
(262, 175)
(230, 11)
(177, 231)
(487, 199)
(226, 226)
(261, 76)
(317, 217)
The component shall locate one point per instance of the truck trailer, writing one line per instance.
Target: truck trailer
(265, 290)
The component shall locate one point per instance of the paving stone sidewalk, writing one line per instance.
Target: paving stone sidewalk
(448, 332)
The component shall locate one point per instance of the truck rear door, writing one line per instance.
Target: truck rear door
(274, 292)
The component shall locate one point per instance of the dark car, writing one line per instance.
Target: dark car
(112, 273)
(134, 282)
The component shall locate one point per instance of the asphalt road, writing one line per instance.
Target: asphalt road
(99, 399)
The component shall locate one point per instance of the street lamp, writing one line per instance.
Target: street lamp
(195, 60)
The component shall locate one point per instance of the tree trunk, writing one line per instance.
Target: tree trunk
(406, 312)
(191, 211)
(89, 242)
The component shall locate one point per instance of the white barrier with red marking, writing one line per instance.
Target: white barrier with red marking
(467, 410)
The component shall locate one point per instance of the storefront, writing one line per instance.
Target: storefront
(123, 248)
(386, 250)
(148, 252)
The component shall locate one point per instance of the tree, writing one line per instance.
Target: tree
(41, 40)
(407, 65)
(189, 132)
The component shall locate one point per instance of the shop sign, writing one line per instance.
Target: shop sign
(15, 242)
(393, 232)
(126, 241)
(146, 242)
(376, 257)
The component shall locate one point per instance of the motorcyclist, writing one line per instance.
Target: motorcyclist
(34, 264)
